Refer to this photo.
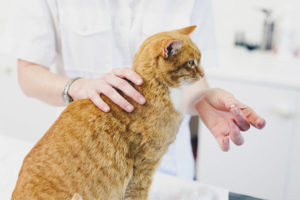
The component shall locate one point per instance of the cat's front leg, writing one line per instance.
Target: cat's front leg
(139, 185)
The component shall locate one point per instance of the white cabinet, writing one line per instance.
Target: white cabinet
(267, 165)
(293, 172)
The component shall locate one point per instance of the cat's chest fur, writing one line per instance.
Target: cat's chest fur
(169, 114)
(160, 118)
(176, 98)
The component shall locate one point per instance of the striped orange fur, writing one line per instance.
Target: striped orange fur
(91, 155)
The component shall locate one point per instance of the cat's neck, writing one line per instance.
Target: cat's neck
(147, 74)
(157, 93)
(151, 86)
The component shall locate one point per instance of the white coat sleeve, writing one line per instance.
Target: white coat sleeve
(204, 35)
(30, 33)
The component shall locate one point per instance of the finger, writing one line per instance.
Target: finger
(239, 118)
(113, 95)
(235, 134)
(221, 132)
(96, 99)
(254, 119)
(125, 87)
(128, 74)
(223, 142)
(260, 123)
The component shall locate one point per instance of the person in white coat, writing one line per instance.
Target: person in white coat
(56, 41)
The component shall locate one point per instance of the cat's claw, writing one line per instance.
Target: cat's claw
(77, 197)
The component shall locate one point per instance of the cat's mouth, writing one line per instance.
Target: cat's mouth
(191, 80)
(197, 75)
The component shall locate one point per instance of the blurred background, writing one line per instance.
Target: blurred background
(258, 50)
(258, 45)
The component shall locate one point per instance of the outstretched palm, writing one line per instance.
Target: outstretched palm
(225, 117)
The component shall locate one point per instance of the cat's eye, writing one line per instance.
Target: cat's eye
(191, 63)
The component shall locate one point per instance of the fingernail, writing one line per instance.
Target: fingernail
(129, 108)
(240, 140)
(142, 100)
(106, 109)
(226, 141)
(139, 81)
(226, 144)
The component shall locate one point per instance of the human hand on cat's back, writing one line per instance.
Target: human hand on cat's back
(106, 84)
(226, 117)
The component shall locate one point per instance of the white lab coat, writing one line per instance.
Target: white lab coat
(88, 38)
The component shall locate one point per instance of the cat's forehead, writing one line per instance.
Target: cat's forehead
(191, 48)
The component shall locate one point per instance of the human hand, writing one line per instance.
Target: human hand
(106, 84)
(225, 117)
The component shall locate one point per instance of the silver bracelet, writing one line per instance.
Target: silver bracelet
(65, 96)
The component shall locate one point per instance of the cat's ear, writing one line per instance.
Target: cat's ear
(172, 47)
(187, 30)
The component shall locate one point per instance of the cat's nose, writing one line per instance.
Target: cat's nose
(200, 71)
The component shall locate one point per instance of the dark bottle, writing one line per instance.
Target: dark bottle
(268, 31)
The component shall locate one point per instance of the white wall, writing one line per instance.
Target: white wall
(5, 8)
(5, 11)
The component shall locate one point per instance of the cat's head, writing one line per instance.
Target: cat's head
(171, 57)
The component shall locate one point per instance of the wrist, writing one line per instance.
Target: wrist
(200, 104)
(67, 93)
(210, 97)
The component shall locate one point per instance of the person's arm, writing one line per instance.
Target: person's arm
(38, 82)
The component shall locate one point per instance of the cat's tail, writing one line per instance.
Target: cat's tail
(77, 197)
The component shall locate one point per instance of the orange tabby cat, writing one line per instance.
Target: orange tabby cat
(88, 154)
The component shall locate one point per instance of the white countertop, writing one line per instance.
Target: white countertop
(260, 67)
